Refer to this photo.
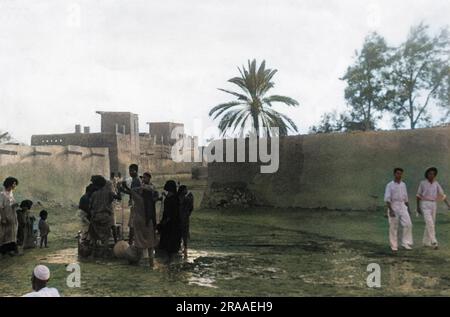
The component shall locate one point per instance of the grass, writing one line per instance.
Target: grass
(252, 252)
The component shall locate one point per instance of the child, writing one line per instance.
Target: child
(186, 206)
(44, 229)
(428, 194)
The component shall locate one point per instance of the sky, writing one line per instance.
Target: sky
(60, 61)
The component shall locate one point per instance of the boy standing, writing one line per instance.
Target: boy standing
(396, 198)
(186, 207)
(44, 228)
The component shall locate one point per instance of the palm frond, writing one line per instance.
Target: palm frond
(240, 82)
(274, 121)
(280, 121)
(241, 119)
(238, 95)
(228, 120)
(291, 124)
(219, 109)
(283, 99)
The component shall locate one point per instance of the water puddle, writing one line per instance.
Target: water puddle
(208, 268)
(201, 268)
(202, 281)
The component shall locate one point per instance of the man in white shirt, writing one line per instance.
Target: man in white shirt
(429, 192)
(39, 280)
(396, 198)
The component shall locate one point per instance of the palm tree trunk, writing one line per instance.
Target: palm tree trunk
(256, 124)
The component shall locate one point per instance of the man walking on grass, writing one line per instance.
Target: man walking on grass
(396, 198)
(429, 192)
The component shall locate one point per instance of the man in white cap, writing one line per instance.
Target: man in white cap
(39, 280)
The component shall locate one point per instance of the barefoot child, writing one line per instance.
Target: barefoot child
(429, 192)
(44, 228)
(396, 198)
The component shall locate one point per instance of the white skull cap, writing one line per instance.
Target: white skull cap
(42, 272)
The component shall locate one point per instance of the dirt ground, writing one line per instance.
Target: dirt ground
(251, 252)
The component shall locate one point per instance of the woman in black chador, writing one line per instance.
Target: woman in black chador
(169, 227)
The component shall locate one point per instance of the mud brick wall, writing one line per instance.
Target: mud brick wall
(345, 171)
(165, 166)
(55, 172)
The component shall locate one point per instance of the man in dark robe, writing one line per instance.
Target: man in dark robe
(85, 212)
(101, 210)
(25, 236)
(133, 170)
(169, 226)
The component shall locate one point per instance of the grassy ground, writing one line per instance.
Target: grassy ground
(254, 252)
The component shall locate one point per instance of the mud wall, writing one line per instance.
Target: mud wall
(165, 166)
(341, 170)
(52, 172)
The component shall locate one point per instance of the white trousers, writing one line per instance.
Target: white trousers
(403, 219)
(429, 215)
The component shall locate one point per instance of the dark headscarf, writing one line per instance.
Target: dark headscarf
(98, 181)
(90, 189)
(171, 186)
(26, 204)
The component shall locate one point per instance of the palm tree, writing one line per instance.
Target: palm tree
(253, 104)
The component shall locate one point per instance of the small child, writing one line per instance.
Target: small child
(44, 229)
(186, 200)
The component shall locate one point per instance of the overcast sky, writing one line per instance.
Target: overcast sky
(60, 61)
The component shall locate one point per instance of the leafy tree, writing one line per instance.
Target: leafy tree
(334, 122)
(444, 97)
(252, 103)
(330, 122)
(419, 77)
(365, 92)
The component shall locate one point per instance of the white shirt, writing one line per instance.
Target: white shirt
(6, 198)
(396, 192)
(430, 191)
(44, 292)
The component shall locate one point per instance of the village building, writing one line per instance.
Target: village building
(120, 134)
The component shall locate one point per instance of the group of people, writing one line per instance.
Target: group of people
(17, 224)
(103, 197)
(399, 212)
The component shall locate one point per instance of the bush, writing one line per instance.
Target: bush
(196, 172)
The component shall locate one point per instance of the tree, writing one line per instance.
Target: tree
(365, 92)
(334, 122)
(419, 77)
(330, 122)
(444, 97)
(252, 104)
